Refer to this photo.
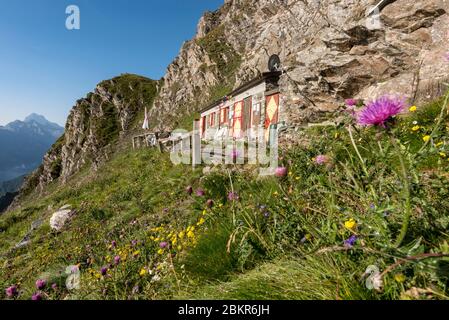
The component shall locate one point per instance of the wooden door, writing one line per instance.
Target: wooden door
(247, 114)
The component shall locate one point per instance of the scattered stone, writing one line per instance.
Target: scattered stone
(60, 218)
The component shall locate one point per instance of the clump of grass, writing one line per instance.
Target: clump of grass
(326, 277)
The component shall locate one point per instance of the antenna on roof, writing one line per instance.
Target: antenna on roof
(274, 63)
(377, 8)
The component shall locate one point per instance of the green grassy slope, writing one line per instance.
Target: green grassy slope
(282, 238)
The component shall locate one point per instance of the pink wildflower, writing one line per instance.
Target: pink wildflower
(40, 284)
(321, 159)
(379, 111)
(351, 102)
(233, 196)
(11, 292)
(280, 172)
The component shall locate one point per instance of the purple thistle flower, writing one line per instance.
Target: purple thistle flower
(163, 245)
(200, 193)
(114, 244)
(351, 102)
(36, 297)
(104, 271)
(379, 111)
(11, 292)
(189, 190)
(54, 286)
(321, 159)
(134, 243)
(40, 284)
(233, 196)
(117, 260)
(349, 243)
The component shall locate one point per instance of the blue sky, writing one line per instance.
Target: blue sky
(45, 68)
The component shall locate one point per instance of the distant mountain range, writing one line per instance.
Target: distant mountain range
(11, 186)
(23, 145)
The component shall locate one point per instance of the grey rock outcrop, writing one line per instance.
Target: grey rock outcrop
(94, 124)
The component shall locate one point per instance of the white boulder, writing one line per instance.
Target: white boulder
(60, 218)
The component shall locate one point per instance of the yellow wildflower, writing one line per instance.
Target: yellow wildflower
(201, 221)
(442, 155)
(426, 138)
(160, 251)
(350, 224)
(174, 240)
(297, 178)
(143, 272)
(412, 108)
(399, 277)
(416, 128)
(439, 144)
(181, 234)
(190, 234)
(136, 253)
(204, 212)
(308, 236)
(179, 247)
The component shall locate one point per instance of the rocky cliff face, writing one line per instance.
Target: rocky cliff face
(330, 51)
(95, 123)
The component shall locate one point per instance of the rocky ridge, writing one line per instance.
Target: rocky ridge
(93, 126)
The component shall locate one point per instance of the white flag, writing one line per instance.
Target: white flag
(146, 125)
